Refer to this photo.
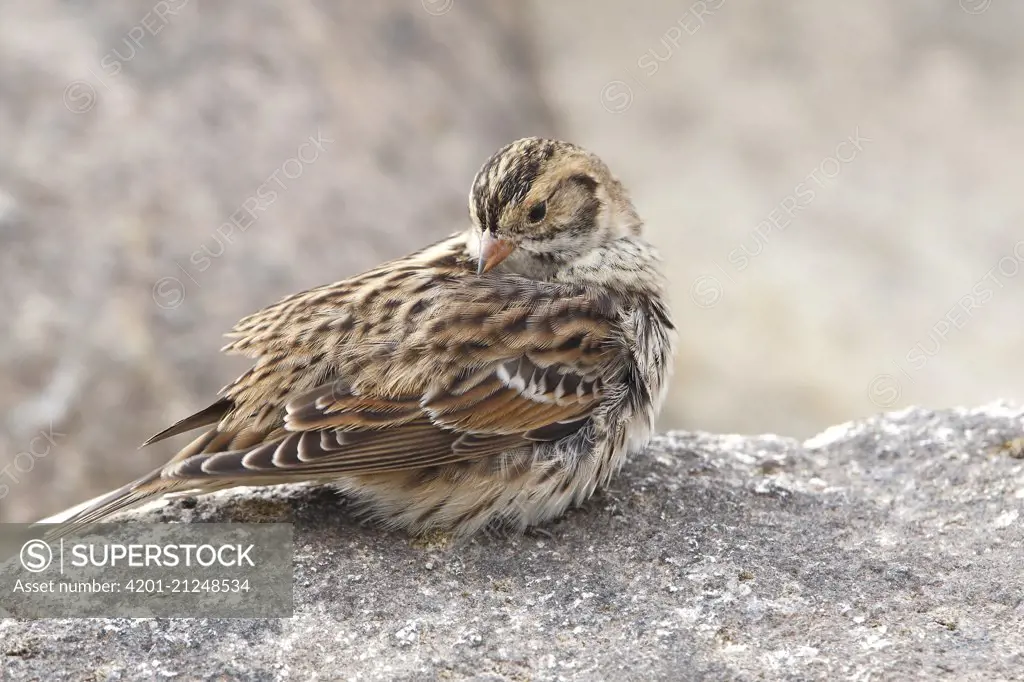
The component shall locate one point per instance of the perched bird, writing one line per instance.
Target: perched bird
(498, 376)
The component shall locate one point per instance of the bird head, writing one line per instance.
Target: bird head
(537, 205)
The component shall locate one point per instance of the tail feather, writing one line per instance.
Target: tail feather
(126, 497)
(210, 415)
(155, 484)
(162, 481)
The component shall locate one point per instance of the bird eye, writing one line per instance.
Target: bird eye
(538, 212)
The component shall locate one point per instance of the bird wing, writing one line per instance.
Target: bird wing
(476, 367)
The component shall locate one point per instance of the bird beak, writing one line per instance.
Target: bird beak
(492, 252)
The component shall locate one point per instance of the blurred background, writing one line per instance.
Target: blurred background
(836, 189)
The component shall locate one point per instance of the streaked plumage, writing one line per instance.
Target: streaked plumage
(443, 397)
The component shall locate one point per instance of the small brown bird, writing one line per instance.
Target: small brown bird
(498, 376)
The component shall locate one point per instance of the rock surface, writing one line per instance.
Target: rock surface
(888, 548)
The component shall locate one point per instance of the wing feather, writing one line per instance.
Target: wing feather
(419, 363)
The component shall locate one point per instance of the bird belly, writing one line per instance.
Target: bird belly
(469, 498)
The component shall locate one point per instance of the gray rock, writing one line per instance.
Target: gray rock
(888, 548)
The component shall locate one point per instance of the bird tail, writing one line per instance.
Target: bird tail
(125, 497)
